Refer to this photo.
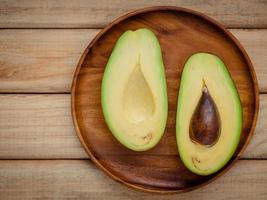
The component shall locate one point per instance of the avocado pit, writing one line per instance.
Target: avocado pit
(205, 122)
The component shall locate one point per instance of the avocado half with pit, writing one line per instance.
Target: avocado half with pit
(133, 93)
(209, 115)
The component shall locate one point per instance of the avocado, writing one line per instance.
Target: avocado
(209, 115)
(133, 94)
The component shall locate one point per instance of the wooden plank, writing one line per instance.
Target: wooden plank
(255, 43)
(89, 14)
(40, 127)
(44, 60)
(36, 127)
(73, 179)
(40, 60)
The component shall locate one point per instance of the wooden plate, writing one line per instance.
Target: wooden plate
(181, 32)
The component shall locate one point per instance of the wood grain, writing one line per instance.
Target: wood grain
(40, 60)
(81, 180)
(255, 43)
(89, 14)
(35, 61)
(43, 123)
(37, 127)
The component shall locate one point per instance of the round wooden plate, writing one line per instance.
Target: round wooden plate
(181, 32)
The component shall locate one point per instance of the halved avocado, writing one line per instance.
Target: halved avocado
(134, 94)
(209, 115)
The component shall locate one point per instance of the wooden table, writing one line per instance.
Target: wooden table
(40, 45)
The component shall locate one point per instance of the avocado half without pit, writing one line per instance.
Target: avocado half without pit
(133, 93)
(209, 115)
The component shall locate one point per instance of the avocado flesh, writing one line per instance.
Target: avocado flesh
(133, 93)
(207, 70)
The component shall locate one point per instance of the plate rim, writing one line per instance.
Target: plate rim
(176, 9)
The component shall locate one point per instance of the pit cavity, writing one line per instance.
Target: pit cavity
(138, 99)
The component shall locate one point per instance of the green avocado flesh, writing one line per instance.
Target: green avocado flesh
(209, 115)
(133, 93)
